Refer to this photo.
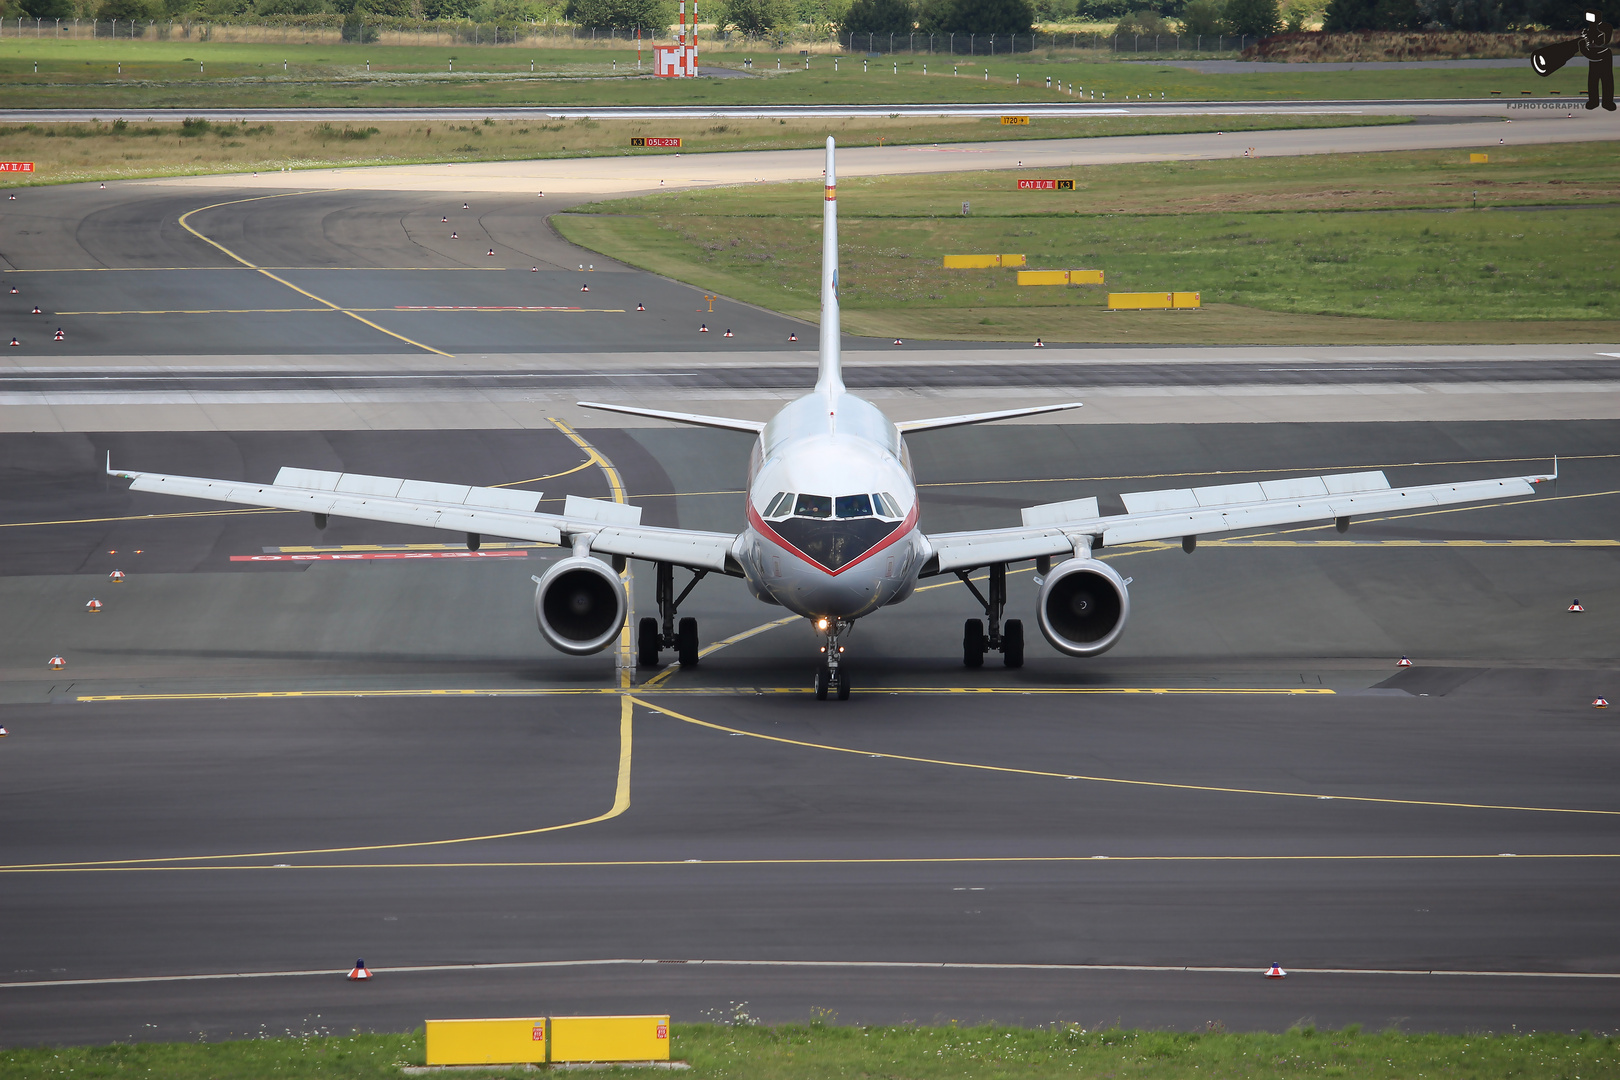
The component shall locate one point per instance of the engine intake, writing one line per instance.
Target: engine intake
(581, 606)
(1083, 607)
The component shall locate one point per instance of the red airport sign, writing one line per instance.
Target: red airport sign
(16, 166)
(652, 141)
(1046, 185)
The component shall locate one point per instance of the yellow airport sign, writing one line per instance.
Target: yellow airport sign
(486, 1042)
(1020, 121)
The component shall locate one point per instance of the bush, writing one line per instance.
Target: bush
(655, 15)
(977, 16)
(1146, 23)
(355, 27)
(879, 17)
(1202, 17)
(755, 18)
(1255, 18)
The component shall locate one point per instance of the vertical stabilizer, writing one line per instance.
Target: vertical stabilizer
(830, 377)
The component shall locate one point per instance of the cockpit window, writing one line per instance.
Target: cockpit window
(854, 506)
(781, 505)
(887, 507)
(814, 506)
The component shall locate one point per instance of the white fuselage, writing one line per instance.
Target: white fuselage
(832, 510)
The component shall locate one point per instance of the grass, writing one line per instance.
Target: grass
(84, 73)
(1339, 248)
(820, 1051)
(109, 150)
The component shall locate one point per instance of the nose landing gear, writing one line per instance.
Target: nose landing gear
(1006, 639)
(831, 674)
(651, 637)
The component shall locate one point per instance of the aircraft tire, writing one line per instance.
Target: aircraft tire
(843, 683)
(686, 642)
(823, 677)
(1012, 643)
(973, 643)
(647, 643)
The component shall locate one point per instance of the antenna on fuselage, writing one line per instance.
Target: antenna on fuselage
(830, 375)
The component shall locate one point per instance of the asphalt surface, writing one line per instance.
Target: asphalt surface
(378, 757)
(808, 853)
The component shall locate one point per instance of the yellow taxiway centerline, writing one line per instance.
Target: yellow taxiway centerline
(273, 277)
(1158, 784)
(627, 656)
(621, 803)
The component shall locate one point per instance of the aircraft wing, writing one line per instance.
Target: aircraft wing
(612, 528)
(1058, 529)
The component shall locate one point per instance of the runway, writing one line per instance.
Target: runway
(277, 749)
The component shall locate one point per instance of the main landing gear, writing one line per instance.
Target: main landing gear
(654, 634)
(1006, 639)
(831, 674)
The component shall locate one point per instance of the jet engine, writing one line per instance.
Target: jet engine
(1083, 607)
(581, 605)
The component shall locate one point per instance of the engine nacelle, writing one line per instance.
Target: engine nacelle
(1083, 607)
(581, 605)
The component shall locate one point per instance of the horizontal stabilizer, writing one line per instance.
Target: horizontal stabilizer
(908, 426)
(726, 422)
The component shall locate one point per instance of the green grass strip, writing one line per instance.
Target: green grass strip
(824, 1051)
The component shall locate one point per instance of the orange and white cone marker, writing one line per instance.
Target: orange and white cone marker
(3, 731)
(1600, 703)
(1575, 605)
(703, 328)
(57, 663)
(534, 269)
(1276, 973)
(641, 307)
(897, 341)
(1403, 662)
(93, 606)
(793, 337)
(727, 333)
(492, 252)
(360, 972)
(116, 577)
(584, 288)
(59, 335)
(1039, 344)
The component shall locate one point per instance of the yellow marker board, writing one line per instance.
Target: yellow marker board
(610, 1038)
(1060, 277)
(486, 1042)
(1019, 121)
(1136, 301)
(1140, 301)
(981, 262)
(1479, 159)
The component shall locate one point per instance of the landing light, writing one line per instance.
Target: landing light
(821, 624)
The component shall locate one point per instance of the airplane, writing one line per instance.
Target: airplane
(832, 525)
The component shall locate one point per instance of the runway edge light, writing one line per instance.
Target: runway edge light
(360, 972)
(57, 663)
(1600, 703)
(1276, 972)
(1575, 605)
(1404, 662)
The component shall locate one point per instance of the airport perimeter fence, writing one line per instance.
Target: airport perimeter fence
(394, 31)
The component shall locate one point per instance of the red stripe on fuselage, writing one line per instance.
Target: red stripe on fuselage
(758, 524)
